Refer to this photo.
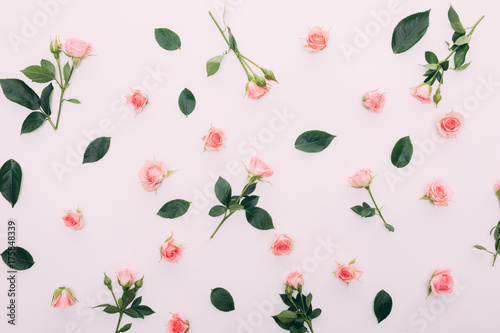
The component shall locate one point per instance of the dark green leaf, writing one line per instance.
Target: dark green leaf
(460, 55)
(382, 305)
(445, 65)
(222, 299)
(309, 300)
(300, 329)
(286, 300)
(10, 181)
(38, 74)
(111, 309)
(431, 57)
(496, 234)
(187, 102)
(167, 39)
(409, 31)
(144, 310)
(315, 313)
(96, 150)
(46, 98)
(250, 189)
(174, 209)
(136, 302)
(259, 218)
(223, 191)
(250, 201)
(452, 15)
(125, 328)
(32, 122)
(213, 64)
(132, 313)
(287, 316)
(66, 72)
(17, 258)
(48, 66)
(232, 41)
(458, 27)
(217, 211)
(402, 152)
(128, 297)
(389, 227)
(283, 325)
(313, 141)
(456, 36)
(18, 92)
(73, 100)
(364, 211)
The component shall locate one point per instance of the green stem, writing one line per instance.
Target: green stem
(303, 315)
(60, 72)
(220, 29)
(220, 224)
(61, 98)
(242, 58)
(376, 207)
(251, 62)
(119, 321)
(474, 27)
(250, 77)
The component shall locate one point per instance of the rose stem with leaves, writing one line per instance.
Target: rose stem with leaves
(302, 314)
(63, 84)
(379, 212)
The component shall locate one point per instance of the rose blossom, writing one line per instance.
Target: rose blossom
(361, 178)
(317, 39)
(422, 93)
(77, 48)
(450, 125)
(137, 100)
(73, 219)
(259, 169)
(497, 188)
(348, 273)
(177, 324)
(282, 244)
(254, 91)
(63, 297)
(152, 174)
(441, 282)
(295, 280)
(215, 139)
(125, 277)
(438, 192)
(374, 101)
(170, 251)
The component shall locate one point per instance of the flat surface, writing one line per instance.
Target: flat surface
(309, 198)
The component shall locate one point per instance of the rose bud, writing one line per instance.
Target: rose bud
(63, 297)
(77, 48)
(137, 100)
(282, 244)
(441, 282)
(139, 283)
(450, 125)
(497, 189)
(295, 280)
(361, 178)
(214, 140)
(73, 219)
(254, 91)
(374, 101)
(125, 277)
(171, 251)
(152, 174)
(438, 192)
(107, 280)
(437, 97)
(269, 75)
(422, 93)
(258, 169)
(317, 39)
(177, 324)
(348, 273)
(55, 46)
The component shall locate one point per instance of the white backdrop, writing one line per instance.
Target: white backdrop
(309, 198)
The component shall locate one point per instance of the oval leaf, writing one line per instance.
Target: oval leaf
(32, 122)
(73, 100)
(382, 305)
(431, 57)
(217, 211)
(45, 99)
(187, 102)
(96, 150)
(167, 39)
(213, 64)
(125, 328)
(17, 258)
(222, 299)
(18, 92)
(259, 218)
(223, 191)
(10, 181)
(38, 74)
(409, 31)
(313, 141)
(402, 152)
(174, 209)
(48, 66)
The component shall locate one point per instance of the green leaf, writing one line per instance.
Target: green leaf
(250, 201)
(144, 310)
(445, 65)
(128, 297)
(187, 102)
(96, 150)
(217, 211)
(382, 305)
(38, 74)
(315, 313)
(174, 209)
(73, 100)
(259, 218)
(111, 309)
(389, 227)
(287, 316)
(479, 247)
(222, 299)
(66, 72)
(232, 40)
(409, 31)
(462, 40)
(223, 191)
(235, 207)
(458, 27)
(10, 181)
(285, 326)
(313, 141)
(32, 122)
(136, 302)
(167, 39)
(496, 234)
(17, 258)
(464, 66)
(431, 66)
(46, 98)
(286, 300)
(48, 66)
(431, 57)
(250, 189)
(18, 92)
(213, 64)
(402, 152)
(452, 15)
(125, 328)
(301, 329)
(364, 211)
(309, 300)
(132, 313)
(460, 55)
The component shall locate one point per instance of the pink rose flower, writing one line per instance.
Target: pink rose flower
(282, 244)
(422, 93)
(177, 324)
(361, 178)
(317, 39)
(374, 101)
(170, 251)
(438, 192)
(77, 48)
(137, 100)
(259, 169)
(254, 91)
(441, 282)
(348, 273)
(63, 297)
(126, 277)
(295, 280)
(152, 174)
(73, 219)
(450, 125)
(214, 140)
(497, 188)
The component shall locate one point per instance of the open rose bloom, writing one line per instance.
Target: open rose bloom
(282, 244)
(254, 91)
(152, 174)
(137, 100)
(177, 324)
(73, 219)
(170, 251)
(317, 38)
(126, 277)
(77, 48)
(374, 101)
(259, 169)
(450, 125)
(361, 178)
(295, 280)
(63, 297)
(214, 140)
(423, 93)
(348, 273)
(441, 282)
(438, 192)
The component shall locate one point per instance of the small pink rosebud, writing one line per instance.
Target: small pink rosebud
(77, 48)
(152, 174)
(295, 280)
(73, 219)
(317, 38)
(361, 178)
(374, 101)
(497, 189)
(422, 93)
(282, 244)
(170, 251)
(125, 277)
(214, 140)
(441, 282)
(254, 91)
(177, 324)
(63, 297)
(137, 100)
(438, 192)
(450, 125)
(259, 169)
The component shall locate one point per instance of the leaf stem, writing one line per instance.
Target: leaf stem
(220, 29)
(376, 207)
(119, 321)
(220, 224)
(251, 62)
